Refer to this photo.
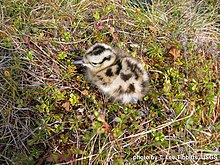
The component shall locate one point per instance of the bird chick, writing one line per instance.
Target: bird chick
(115, 73)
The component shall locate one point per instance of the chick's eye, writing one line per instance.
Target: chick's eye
(94, 63)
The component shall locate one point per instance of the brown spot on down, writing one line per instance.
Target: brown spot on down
(104, 83)
(119, 67)
(133, 68)
(119, 90)
(100, 77)
(131, 88)
(136, 74)
(144, 84)
(109, 72)
(125, 77)
(130, 65)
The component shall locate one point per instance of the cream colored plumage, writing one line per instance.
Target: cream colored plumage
(115, 73)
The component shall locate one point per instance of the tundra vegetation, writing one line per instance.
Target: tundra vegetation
(50, 114)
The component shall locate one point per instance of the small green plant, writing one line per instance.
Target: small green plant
(62, 56)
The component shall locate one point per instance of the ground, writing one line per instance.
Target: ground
(50, 113)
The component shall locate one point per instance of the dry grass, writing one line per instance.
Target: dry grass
(50, 114)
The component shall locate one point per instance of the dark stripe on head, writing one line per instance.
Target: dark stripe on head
(97, 50)
(105, 59)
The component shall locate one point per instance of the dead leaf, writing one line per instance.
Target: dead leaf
(27, 41)
(137, 10)
(114, 35)
(101, 118)
(66, 106)
(106, 126)
(153, 29)
(174, 52)
(7, 73)
(57, 68)
(85, 92)
(111, 30)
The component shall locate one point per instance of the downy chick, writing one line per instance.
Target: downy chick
(115, 73)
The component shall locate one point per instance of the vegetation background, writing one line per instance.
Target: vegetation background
(50, 114)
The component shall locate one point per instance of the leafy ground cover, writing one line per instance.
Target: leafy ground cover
(50, 114)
